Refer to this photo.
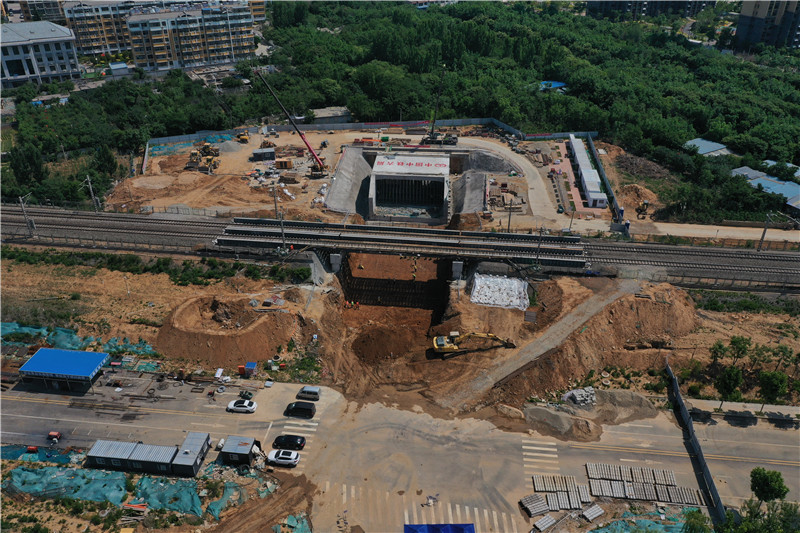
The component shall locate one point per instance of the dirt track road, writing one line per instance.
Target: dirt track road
(556, 334)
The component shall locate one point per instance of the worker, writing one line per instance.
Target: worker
(414, 276)
(360, 266)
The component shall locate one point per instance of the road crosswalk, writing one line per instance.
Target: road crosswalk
(539, 457)
(302, 428)
(376, 510)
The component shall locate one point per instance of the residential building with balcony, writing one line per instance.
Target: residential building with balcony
(774, 23)
(35, 10)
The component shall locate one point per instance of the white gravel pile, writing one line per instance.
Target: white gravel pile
(500, 291)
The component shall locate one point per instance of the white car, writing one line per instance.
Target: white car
(283, 458)
(242, 406)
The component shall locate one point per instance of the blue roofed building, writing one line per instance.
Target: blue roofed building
(63, 369)
(773, 185)
(708, 148)
(796, 169)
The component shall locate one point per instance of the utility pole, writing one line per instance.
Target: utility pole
(28, 222)
(570, 220)
(509, 219)
(275, 197)
(283, 234)
(539, 246)
(764, 233)
(88, 181)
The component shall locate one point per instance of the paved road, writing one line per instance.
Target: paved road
(553, 337)
(379, 463)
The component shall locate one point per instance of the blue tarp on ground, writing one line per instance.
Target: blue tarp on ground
(68, 339)
(439, 528)
(172, 494)
(649, 522)
(13, 452)
(56, 481)
(73, 364)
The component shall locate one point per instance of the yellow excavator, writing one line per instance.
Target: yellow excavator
(451, 343)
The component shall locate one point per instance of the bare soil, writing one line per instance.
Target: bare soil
(630, 195)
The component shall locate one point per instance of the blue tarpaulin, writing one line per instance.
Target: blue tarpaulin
(439, 528)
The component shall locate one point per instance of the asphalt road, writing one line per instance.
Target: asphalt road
(379, 463)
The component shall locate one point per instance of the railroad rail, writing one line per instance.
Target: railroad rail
(258, 235)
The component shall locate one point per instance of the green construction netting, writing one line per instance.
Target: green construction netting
(297, 523)
(78, 483)
(68, 339)
(231, 489)
(645, 522)
(172, 494)
(46, 455)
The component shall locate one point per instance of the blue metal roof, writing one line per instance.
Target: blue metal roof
(112, 449)
(704, 146)
(151, 453)
(787, 188)
(770, 162)
(64, 364)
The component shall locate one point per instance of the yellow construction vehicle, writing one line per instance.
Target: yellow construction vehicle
(208, 164)
(641, 210)
(194, 160)
(243, 137)
(207, 150)
(267, 144)
(451, 343)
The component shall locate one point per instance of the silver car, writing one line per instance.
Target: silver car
(242, 406)
(283, 458)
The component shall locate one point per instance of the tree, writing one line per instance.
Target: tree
(767, 485)
(728, 383)
(773, 385)
(696, 522)
(104, 160)
(26, 163)
(718, 351)
(739, 347)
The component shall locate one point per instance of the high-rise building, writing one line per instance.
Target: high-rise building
(33, 10)
(647, 8)
(41, 52)
(205, 35)
(101, 27)
(774, 22)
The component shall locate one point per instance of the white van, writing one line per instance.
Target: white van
(309, 393)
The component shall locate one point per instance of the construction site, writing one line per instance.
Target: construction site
(437, 328)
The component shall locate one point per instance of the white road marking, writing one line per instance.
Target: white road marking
(405, 509)
(539, 448)
(532, 460)
(636, 425)
(535, 454)
(267, 433)
(327, 486)
(486, 517)
(505, 522)
(466, 510)
(544, 442)
(344, 494)
(449, 513)
(352, 492)
(458, 513)
(413, 510)
(494, 518)
(477, 520)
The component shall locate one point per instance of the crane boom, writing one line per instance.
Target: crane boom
(319, 162)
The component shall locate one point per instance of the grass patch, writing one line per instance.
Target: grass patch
(736, 302)
(204, 272)
(44, 313)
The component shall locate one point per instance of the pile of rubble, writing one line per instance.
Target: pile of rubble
(585, 396)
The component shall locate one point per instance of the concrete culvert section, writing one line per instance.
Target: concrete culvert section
(347, 183)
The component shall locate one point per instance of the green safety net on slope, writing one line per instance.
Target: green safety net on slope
(78, 483)
(46, 455)
(172, 494)
(297, 523)
(231, 488)
(68, 339)
(649, 522)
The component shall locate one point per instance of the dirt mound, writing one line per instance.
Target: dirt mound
(465, 221)
(220, 332)
(380, 343)
(639, 166)
(173, 164)
(632, 195)
(584, 423)
(666, 315)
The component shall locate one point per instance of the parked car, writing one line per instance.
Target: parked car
(242, 406)
(283, 458)
(289, 442)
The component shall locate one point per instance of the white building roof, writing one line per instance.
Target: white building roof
(416, 164)
(26, 32)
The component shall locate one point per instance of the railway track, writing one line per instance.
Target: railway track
(603, 251)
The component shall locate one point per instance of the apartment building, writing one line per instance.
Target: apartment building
(34, 10)
(637, 9)
(208, 35)
(41, 52)
(102, 27)
(773, 22)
